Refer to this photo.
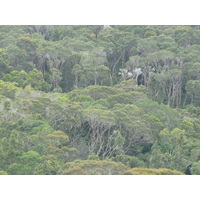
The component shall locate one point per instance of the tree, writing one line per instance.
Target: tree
(3, 173)
(4, 62)
(8, 89)
(147, 45)
(28, 43)
(100, 122)
(165, 87)
(100, 92)
(92, 69)
(186, 36)
(10, 149)
(35, 79)
(130, 122)
(26, 164)
(56, 77)
(49, 165)
(129, 161)
(191, 88)
(162, 58)
(92, 167)
(17, 58)
(172, 149)
(134, 62)
(58, 139)
(195, 169)
(57, 145)
(18, 77)
(149, 171)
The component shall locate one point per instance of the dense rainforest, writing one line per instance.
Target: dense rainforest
(99, 99)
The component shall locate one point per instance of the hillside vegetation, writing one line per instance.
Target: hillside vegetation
(99, 100)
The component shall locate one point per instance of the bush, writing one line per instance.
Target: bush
(151, 171)
(130, 161)
(92, 167)
(3, 173)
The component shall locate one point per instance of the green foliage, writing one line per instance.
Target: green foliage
(93, 157)
(49, 165)
(100, 92)
(191, 87)
(36, 80)
(7, 105)
(101, 103)
(130, 161)
(193, 110)
(171, 150)
(4, 62)
(63, 99)
(195, 169)
(57, 89)
(26, 164)
(149, 171)
(91, 167)
(16, 76)
(10, 149)
(127, 97)
(58, 138)
(8, 89)
(3, 173)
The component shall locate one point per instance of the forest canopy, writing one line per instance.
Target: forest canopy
(101, 99)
